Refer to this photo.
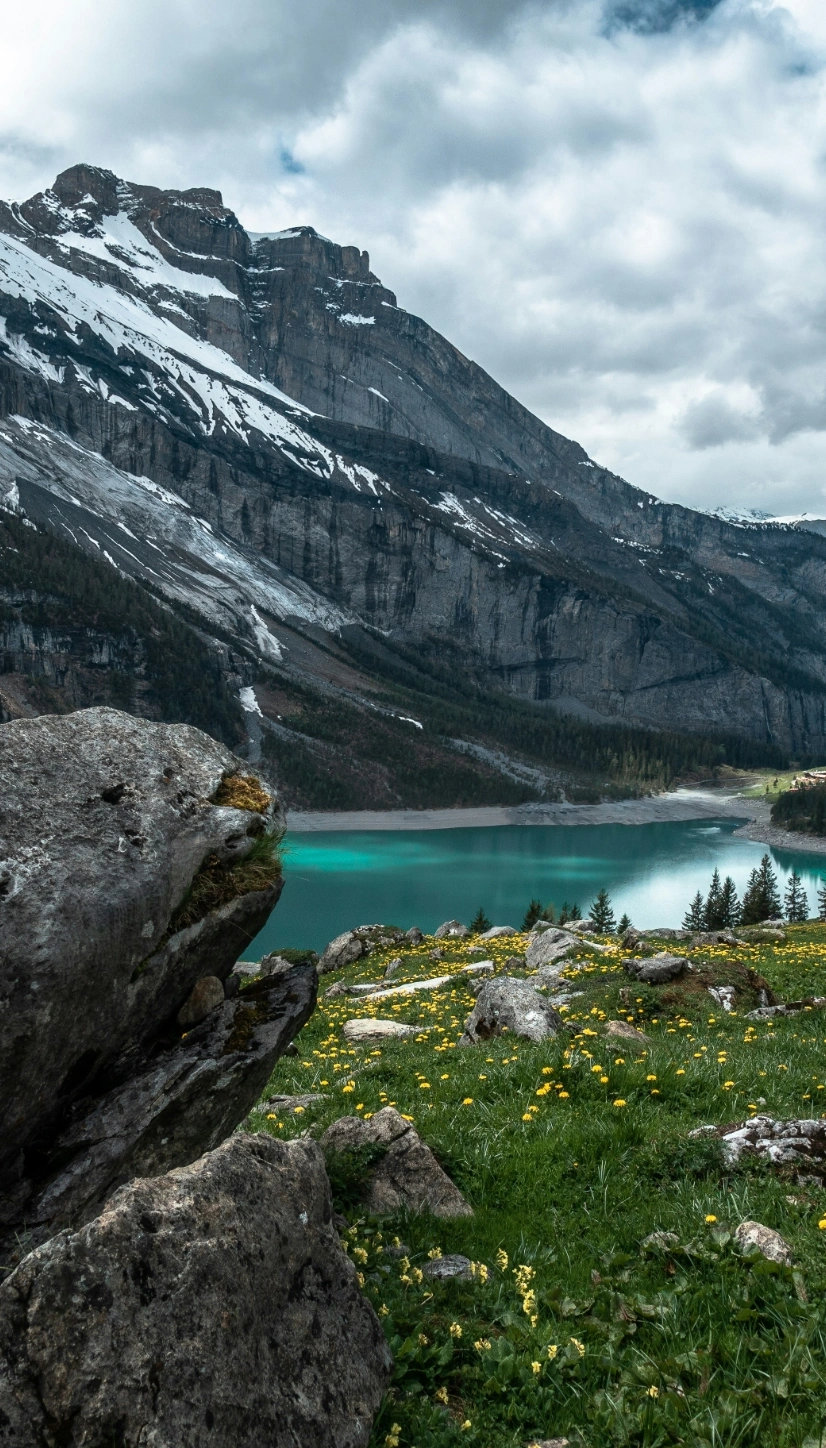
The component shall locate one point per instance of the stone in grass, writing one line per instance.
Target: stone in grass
(376, 1030)
(624, 1031)
(414, 935)
(497, 931)
(549, 946)
(392, 966)
(342, 951)
(213, 1304)
(443, 1269)
(407, 1173)
(724, 995)
(509, 1004)
(206, 994)
(660, 1242)
(782, 1143)
(452, 929)
(657, 969)
(551, 1443)
(754, 1237)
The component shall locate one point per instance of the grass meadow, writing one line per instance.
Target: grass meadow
(572, 1153)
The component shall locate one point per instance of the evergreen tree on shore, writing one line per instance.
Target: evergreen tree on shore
(479, 923)
(601, 914)
(821, 901)
(762, 898)
(532, 914)
(695, 915)
(797, 901)
(714, 904)
(624, 924)
(729, 905)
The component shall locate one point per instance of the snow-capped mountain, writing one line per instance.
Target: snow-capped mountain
(256, 432)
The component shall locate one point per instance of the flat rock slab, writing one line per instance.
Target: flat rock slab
(754, 1237)
(443, 1269)
(799, 1143)
(406, 1175)
(410, 987)
(211, 1305)
(289, 1103)
(376, 1030)
(658, 969)
(513, 1005)
(790, 1008)
(497, 932)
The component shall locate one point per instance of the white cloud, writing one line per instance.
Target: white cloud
(623, 222)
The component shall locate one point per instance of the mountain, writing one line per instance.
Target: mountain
(415, 588)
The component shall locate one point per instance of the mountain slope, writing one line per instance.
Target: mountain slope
(257, 433)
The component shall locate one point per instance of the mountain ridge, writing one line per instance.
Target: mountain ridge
(320, 456)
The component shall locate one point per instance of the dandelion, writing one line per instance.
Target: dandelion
(619, 1101)
(467, 1424)
(711, 1217)
(468, 1101)
(681, 1072)
(455, 1330)
(271, 1116)
(650, 1078)
(527, 1116)
(822, 1224)
(727, 1085)
(563, 1096)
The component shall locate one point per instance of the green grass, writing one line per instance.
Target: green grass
(696, 1345)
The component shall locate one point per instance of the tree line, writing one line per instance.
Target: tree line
(721, 909)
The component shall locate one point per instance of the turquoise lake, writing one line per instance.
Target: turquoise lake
(334, 881)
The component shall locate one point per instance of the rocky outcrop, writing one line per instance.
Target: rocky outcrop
(512, 1005)
(211, 1305)
(657, 969)
(800, 1144)
(135, 860)
(404, 1171)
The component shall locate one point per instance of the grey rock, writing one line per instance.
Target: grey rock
(514, 962)
(633, 938)
(407, 1175)
(274, 964)
(789, 1008)
(797, 1143)
(166, 1107)
(369, 1029)
(436, 954)
(106, 821)
(410, 987)
(754, 1237)
(414, 935)
(548, 946)
(246, 969)
(393, 966)
(763, 935)
(624, 1031)
(346, 948)
(496, 932)
(211, 1304)
(443, 1269)
(206, 994)
(289, 1103)
(550, 1443)
(657, 969)
(724, 995)
(452, 929)
(232, 985)
(478, 967)
(713, 937)
(340, 988)
(512, 1005)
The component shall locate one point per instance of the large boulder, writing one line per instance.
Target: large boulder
(405, 1172)
(342, 951)
(657, 969)
(135, 860)
(213, 1305)
(509, 1004)
(451, 930)
(166, 1107)
(550, 945)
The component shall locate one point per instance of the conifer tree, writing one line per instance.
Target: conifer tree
(695, 915)
(576, 913)
(729, 905)
(797, 902)
(532, 914)
(714, 904)
(479, 923)
(762, 898)
(624, 924)
(601, 914)
(821, 901)
(549, 914)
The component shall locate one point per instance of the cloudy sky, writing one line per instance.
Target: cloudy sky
(618, 207)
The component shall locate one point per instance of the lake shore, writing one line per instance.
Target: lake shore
(679, 804)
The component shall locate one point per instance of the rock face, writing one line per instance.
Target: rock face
(211, 1305)
(658, 969)
(267, 329)
(106, 825)
(513, 1005)
(406, 1175)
